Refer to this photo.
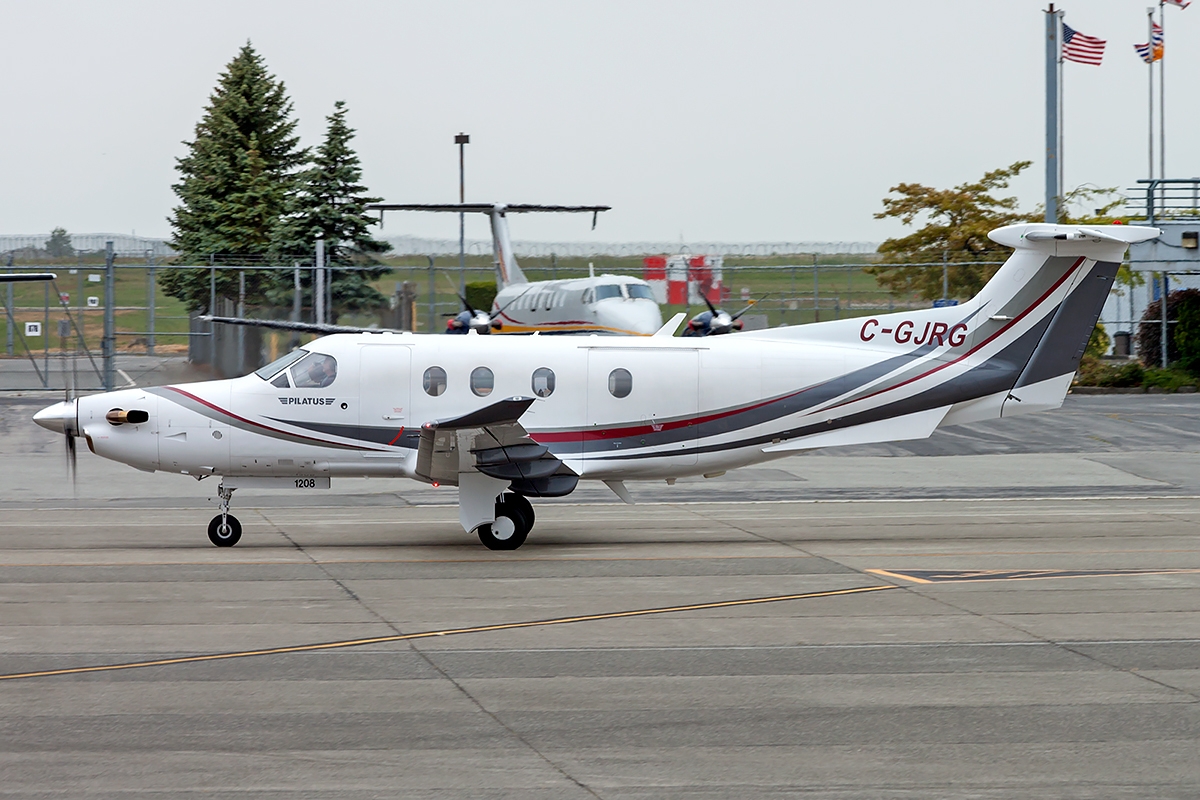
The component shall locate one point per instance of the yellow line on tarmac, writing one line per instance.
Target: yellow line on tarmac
(899, 575)
(401, 637)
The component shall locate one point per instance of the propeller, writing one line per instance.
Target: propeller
(474, 319)
(717, 321)
(71, 425)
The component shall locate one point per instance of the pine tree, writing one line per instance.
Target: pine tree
(331, 204)
(234, 181)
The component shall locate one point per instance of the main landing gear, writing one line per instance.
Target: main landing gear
(224, 530)
(514, 520)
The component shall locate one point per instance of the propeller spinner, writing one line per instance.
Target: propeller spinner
(716, 321)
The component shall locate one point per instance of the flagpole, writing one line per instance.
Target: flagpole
(1051, 115)
(1061, 116)
(1162, 94)
(1150, 92)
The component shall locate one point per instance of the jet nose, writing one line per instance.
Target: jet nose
(59, 417)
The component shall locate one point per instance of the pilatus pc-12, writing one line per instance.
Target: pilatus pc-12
(508, 418)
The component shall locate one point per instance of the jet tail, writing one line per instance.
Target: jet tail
(506, 261)
(1061, 275)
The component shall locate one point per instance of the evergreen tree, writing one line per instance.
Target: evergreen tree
(331, 204)
(234, 181)
(59, 244)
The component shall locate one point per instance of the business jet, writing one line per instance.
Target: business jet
(604, 304)
(509, 418)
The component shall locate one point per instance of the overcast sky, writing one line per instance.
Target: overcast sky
(727, 121)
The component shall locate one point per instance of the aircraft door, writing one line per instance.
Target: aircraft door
(643, 401)
(384, 385)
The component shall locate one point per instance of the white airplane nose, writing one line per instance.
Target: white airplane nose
(57, 417)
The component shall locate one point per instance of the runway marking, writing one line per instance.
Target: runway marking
(980, 575)
(402, 637)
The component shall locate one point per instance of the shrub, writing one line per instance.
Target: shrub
(1099, 342)
(1094, 372)
(1185, 331)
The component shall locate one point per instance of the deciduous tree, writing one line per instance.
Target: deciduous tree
(59, 244)
(956, 225)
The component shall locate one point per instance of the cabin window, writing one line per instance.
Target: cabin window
(639, 292)
(281, 382)
(543, 382)
(280, 363)
(482, 381)
(587, 296)
(606, 290)
(434, 381)
(620, 383)
(314, 372)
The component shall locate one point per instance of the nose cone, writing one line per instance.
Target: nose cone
(59, 417)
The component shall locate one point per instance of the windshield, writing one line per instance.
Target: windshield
(315, 372)
(639, 292)
(607, 290)
(280, 363)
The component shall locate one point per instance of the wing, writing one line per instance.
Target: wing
(492, 441)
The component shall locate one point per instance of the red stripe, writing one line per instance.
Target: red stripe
(397, 438)
(974, 349)
(589, 435)
(204, 402)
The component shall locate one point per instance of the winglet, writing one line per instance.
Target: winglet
(671, 326)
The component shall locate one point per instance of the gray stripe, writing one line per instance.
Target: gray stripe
(997, 374)
(226, 418)
(362, 433)
(1059, 352)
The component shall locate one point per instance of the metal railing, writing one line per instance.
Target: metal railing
(1165, 198)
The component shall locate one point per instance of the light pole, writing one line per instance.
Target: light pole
(462, 140)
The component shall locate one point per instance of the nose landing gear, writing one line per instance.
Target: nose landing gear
(224, 530)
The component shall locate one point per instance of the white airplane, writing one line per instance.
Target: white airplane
(510, 418)
(605, 304)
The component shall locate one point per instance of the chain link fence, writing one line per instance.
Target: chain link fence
(54, 333)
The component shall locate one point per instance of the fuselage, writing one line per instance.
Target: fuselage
(606, 304)
(608, 407)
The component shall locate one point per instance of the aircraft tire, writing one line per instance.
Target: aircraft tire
(520, 504)
(508, 532)
(228, 537)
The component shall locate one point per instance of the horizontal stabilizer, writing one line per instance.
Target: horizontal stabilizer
(484, 208)
(1103, 242)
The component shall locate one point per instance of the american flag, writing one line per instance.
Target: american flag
(1080, 47)
(1156, 42)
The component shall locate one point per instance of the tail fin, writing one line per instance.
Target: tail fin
(510, 271)
(1070, 271)
(506, 261)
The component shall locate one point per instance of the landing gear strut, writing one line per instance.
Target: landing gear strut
(224, 530)
(514, 520)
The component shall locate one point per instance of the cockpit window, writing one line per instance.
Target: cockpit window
(279, 364)
(639, 292)
(315, 372)
(606, 290)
